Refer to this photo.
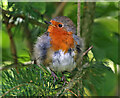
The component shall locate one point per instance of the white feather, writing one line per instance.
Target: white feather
(63, 61)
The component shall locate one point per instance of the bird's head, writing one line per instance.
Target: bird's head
(61, 23)
(60, 31)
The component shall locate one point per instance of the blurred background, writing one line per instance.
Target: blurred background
(23, 22)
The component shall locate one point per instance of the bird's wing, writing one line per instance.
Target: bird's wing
(40, 48)
(78, 49)
(79, 45)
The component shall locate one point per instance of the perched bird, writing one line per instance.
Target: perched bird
(59, 48)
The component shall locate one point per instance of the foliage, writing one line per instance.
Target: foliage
(97, 79)
(105, 39)
(33, 81)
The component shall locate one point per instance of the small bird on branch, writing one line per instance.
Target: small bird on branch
(59, 48)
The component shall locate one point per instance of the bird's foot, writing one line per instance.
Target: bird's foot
(63, 79)
(54, 76)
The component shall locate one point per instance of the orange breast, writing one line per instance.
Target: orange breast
(60, 39)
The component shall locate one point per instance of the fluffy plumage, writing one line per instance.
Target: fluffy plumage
(59, 47)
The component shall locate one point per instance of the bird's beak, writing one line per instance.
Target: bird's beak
(47, 22)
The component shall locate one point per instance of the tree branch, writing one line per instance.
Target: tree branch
(14, 66)
(14, 88)
(73, 81)
(59, 9)
(12, 43)
(86, 51)
(28, 36)
(78, 34)
(15, 16)
(87, 21)
(78, 19)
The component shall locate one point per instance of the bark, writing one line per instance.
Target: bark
(87, 22)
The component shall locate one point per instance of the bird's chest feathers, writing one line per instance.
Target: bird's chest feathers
(60, 39)
(63, 61)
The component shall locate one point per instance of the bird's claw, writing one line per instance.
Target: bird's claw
(63, 79)
(54, 76)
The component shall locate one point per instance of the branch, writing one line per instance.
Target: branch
(72, 92)
(73, 81)
(12, 43)
(59, 9)
(87, 22)
(4, 11)
(13, 89)
(14, 66)
(20, 85)
(78, 19)
(86, 51)
(15, 16)
(28, 36)
(78, 32)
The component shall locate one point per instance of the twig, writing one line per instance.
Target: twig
(72, 92)
(13, 89)
(20, 85)
(78, 19)
(59, 9)
(87, 51)
(20, 65)
(14, 65)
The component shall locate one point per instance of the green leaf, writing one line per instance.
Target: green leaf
(33, 81)
(110, 23)
(106, 9)
(105, 39)
(100, 80)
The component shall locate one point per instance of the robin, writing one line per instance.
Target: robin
(59, 48)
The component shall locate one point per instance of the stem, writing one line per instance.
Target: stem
(28, 36)
(86, 51)
(59, 9)
(13, 89)
(72, 92)
(12, 43)
(78, 19)
(87, 22)
(14, 66)
(78, 34)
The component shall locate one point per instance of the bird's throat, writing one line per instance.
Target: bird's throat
(60, 39)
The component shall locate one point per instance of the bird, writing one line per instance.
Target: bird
(59, 47)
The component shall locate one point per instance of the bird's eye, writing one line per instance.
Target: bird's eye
(60, 25)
